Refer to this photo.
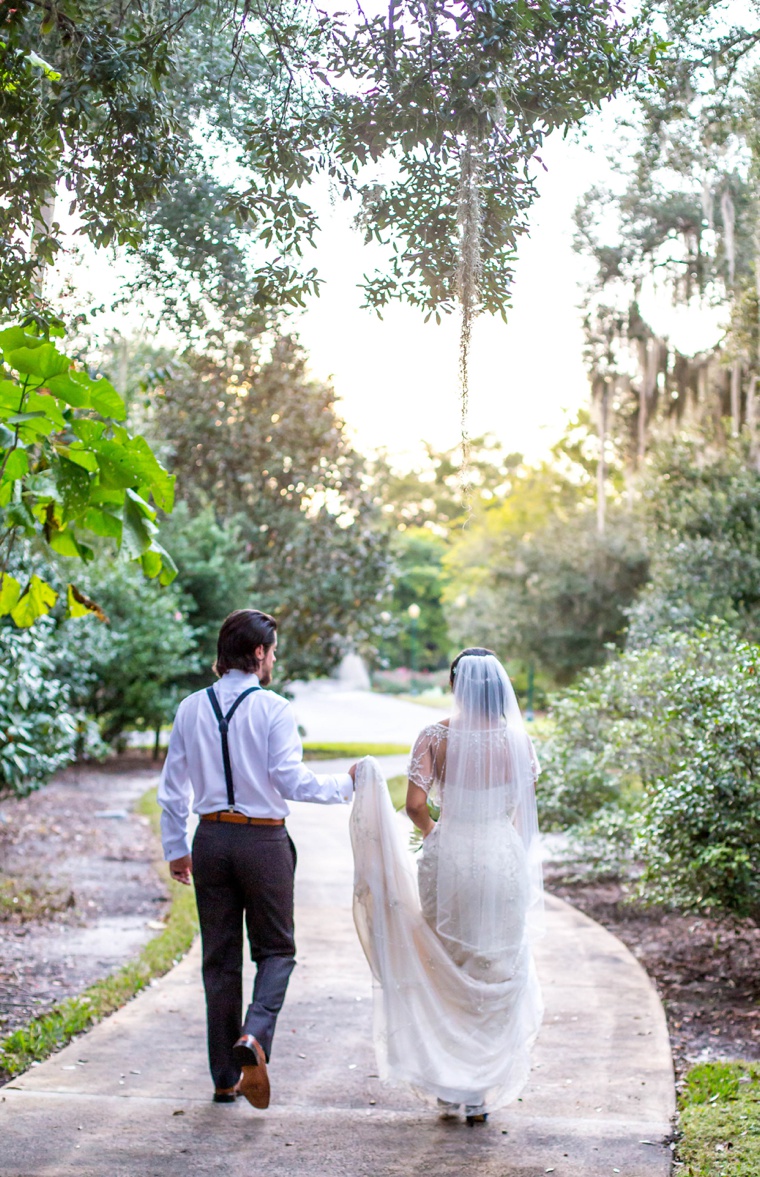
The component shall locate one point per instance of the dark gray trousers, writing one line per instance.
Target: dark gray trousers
(243, 872)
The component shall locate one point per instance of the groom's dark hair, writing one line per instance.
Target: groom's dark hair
(239, 638)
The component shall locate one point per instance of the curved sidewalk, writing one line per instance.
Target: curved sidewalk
(131, 1098)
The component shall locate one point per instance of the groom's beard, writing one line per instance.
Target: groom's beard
(265, 677)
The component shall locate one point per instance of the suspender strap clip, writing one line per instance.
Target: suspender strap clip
(224, 725)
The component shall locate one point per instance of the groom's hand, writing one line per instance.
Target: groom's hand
(352, 773)
(181, 869)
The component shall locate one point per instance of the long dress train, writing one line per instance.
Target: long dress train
(452, 1021)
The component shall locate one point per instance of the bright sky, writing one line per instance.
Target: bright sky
(397, 378)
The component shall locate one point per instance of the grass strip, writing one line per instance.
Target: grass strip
(720, 1121)
(321, 751)
(51, 1031)
(397, 788)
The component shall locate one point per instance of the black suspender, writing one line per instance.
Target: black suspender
(224, 723)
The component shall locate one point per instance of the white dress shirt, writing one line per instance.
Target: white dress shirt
(266, 755)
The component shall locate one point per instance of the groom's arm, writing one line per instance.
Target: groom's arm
(174, 795)
(289, 774)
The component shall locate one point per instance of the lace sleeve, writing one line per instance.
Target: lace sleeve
(421, 769)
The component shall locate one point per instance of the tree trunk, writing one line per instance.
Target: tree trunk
(649, 362)
(157, 742)
(602, 398)
(736, 398)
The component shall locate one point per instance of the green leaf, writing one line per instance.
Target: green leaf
(10, 591)
(88, 431)
(44, 361)
(78, 604)
(65, 544)
(19, 515)
(77, 454)
(16, 466)
(38, 402)
(138, 532)
(106, 400)
(73, 485)
(169, 569)
(38, 600)
(141, 505)
(70, 387)
(151, 563)
(13, 338)
(118, 467)
(158, 563)
(103, 523)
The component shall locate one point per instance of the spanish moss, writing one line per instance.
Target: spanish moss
(468, 283)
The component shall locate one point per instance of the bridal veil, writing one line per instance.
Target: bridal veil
(457, 1001)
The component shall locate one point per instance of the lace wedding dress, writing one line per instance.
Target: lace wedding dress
(457, 1000)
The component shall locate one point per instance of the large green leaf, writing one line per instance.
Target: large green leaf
(101, 522)
(17, 466)
(138, 531)
(72, 388)
(13, 338)
(11, 395)
(73, 486)
(88, 431)
(106, 400)
(37, 402)
(76, 453)
(64, 542)
(140, 503)
(78, 604)
(119, 466)
(38, 600)
(10, 591)
(157, 562)
(32, 426)
(18, 515)
(44, 361)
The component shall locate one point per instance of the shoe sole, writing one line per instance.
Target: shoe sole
(254, 1082)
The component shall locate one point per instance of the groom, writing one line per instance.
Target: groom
(235, 755)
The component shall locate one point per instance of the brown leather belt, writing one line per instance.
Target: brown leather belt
(241, 819)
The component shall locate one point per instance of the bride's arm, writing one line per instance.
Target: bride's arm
(421, 776)
(417, 808)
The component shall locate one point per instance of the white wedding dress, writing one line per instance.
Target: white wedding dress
(457, 1000)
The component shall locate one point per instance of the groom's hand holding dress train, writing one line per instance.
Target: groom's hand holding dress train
(236, 755)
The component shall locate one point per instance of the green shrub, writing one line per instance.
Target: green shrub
(663, 746)
(41, 731)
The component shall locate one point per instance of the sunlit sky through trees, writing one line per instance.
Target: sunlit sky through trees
(397, 377)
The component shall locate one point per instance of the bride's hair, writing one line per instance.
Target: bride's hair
(482, 693)
(476, 651)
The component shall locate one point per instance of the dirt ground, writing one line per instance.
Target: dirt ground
(79, 892)
(706, 970)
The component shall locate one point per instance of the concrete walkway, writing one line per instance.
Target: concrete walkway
(329, 711)
(131, 1098)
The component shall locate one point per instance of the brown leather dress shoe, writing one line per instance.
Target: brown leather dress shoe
(254, 1080)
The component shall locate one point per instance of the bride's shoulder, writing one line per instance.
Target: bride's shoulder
(434, 731)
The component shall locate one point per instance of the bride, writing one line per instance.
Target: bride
(457, 1000)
